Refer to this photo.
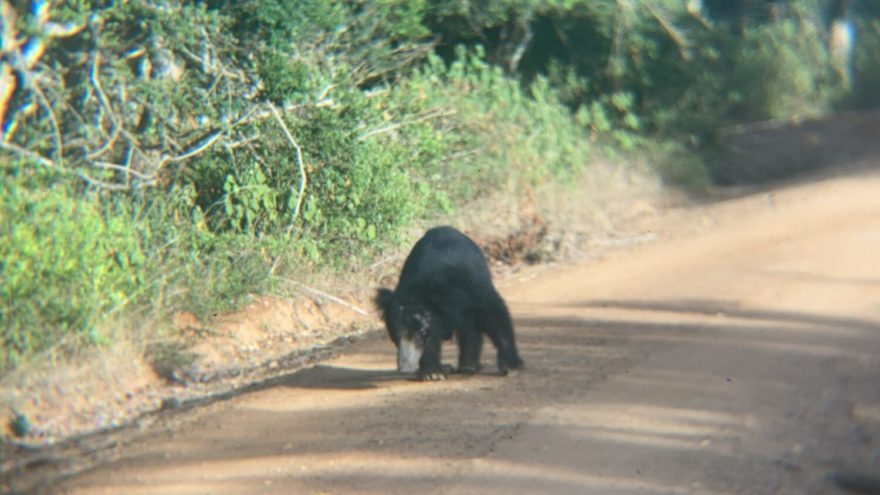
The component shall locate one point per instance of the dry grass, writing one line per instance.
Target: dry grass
(94, 389)
(610, 200)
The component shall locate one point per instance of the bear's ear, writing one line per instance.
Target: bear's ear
(383, 299)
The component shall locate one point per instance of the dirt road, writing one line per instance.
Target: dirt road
(744, 358)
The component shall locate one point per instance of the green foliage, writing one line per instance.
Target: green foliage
(678, 165)
(866, 63)
(500, 135)
(687, 67)
(782, 70)
(67, 261)
(361, 187)
(341, 43)
(283, 78)
(188, 265)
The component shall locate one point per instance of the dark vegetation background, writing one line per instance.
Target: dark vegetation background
(159, 155)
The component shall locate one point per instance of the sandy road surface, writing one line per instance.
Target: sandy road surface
(742, 359)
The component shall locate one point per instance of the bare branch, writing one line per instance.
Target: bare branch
(325, 295)
(196, 150)
(625, 241)
(106, 146)
(96, 84)
(299, 161)
(383, 261)
(8, 44)
(325, 91)
(18, 150)
(47, 163)
(391, 127)
(56, 30)
(463, 154)
(56, 129)
(521, 48)
(275, 264)
(103, 185)
(7, 88)
(127, 169)
(257, 116)
(678, 38)
(244, 141)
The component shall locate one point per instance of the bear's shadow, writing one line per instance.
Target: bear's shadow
(345, 378)
(339, 378)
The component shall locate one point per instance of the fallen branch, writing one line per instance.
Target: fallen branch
(624, 241)
(330, 297)
(463, 154)
(383, 261)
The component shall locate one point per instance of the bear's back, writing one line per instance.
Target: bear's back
(445, 256)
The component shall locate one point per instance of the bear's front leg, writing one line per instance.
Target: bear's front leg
(430, 367)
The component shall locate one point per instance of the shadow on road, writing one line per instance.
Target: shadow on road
(732, 309)
(339, 378)
(771, 152)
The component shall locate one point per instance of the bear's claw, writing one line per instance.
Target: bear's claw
(434, 377)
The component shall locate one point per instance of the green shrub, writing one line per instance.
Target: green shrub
(499, 135)
(782, 70)
(69, 260)
(678, 164)
(866, 64)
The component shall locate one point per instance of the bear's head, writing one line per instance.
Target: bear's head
(409, 325)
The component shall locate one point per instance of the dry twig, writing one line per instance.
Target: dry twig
(677, 37)
(397, 125)
(56, 129)
(299, 161)
(195, 150)
(18, 150)
(325, 295)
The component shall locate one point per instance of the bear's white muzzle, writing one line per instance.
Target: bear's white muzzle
(408, 356)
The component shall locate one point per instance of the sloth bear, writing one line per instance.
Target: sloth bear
(445, 287)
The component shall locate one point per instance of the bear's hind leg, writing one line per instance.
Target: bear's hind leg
(470, 347)
(497, 324)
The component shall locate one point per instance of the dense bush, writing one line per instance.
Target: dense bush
(679, 67)
(67, 260)
(866, 63)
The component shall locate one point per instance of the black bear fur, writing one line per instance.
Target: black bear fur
(445, 289)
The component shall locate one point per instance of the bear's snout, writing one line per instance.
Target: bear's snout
(408, 356)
